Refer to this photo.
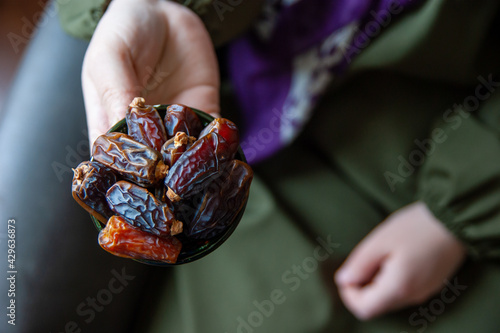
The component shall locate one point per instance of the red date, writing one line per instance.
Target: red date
(197, 167)
(226, 129)
(124, 240)
(145, 124)
(180, 118)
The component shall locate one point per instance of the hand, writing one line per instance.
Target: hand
(156, 49)
(402, 262)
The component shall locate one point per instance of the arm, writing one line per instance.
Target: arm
(460, 181)
(402, 262)
(407, 258)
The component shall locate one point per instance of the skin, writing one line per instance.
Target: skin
(151, 48)
(404, 261)
(161, 51)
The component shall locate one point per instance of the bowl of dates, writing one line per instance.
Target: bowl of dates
(166, 185)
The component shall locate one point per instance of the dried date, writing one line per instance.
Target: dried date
(197, 167)
(173, 149)
(91, 180)
(222, 202)
(145, 124)
(131, 159)
(226, 129)
(124, 240)
(141, 209)
(178, 177)
(180, 118)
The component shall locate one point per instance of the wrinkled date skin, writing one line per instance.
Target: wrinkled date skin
(145, 124)
(197, 167)
(226, 129)
(131, 159)
(173, 149)
(167, 185)
(124, 240)
(91, 180)
(180, 118)
(222, 202)
(141, 209)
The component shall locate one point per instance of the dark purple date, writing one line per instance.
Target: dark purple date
(141, 209)
(91, 180)
(199, 165)
(180, 118)
(221, 203)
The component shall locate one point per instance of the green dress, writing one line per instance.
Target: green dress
(417, 117)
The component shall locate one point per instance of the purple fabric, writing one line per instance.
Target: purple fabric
(282, 67)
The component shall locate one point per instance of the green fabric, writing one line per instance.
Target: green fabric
(265, 256)
(460, 183)
(449, 63)
(80, 18)
(352, 167)
(224, 20)
(335, 181)
(292, 211)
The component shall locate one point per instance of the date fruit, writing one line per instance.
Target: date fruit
(124, 240)
(145, 124)
(199, 165)
(180, 118)
(173, 149)
(222, 202)
(91, 180)
(166, 185)
(141, 209)
(133, 160)
(226, 129)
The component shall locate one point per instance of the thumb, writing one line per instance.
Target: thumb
(361, 265)
(109, 85)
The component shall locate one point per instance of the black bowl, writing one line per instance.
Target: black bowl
(191, 249)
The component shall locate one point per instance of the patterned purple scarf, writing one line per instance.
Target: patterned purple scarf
(284, 65)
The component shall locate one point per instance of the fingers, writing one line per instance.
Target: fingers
(402, 262)
(162, 53)
(387, 291)
(362, 264)
(361, 279)
(205, 98)
(97, 121)
(196, 74)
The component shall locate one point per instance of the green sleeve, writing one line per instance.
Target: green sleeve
(460, 180)
(224, 20)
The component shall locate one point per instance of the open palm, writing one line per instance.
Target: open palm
(156, 49)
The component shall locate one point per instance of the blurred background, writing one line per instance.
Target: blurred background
(15, 34)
